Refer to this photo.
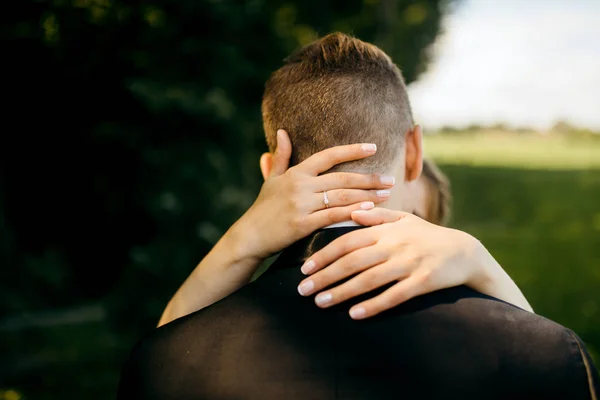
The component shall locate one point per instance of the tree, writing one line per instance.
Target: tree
(132, 136)
(138, 131)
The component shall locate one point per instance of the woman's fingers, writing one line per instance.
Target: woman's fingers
(346, 197)
(349, 180)
(338, 248)
(283, 152)
(377, 216)
(413, 286)
(326, 159)
(362, 283)
(332, 215)
(349, 265)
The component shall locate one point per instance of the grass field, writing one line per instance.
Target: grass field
(500, 149)
(535, 203)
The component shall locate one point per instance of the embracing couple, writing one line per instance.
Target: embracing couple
(366, 299)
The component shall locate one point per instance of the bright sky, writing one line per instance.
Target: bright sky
(520, 62)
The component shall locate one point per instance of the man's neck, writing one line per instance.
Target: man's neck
(296, 254)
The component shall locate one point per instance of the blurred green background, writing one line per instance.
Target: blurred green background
(131, 143)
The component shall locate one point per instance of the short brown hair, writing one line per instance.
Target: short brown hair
(439, 195)
(338, 90)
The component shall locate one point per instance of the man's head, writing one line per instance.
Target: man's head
(339, 90)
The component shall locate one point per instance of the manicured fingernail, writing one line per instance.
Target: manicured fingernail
(358, 312)
(305, 288)
(387, 180)
(307, 267)
(369, 148)
(367, 205)
(323, 298)
(383, 193)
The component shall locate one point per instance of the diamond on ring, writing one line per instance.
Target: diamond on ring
(325, 199)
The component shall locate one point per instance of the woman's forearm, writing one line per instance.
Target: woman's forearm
(226, 268)
(497, 283)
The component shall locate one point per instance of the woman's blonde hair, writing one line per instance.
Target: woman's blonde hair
(439, 195)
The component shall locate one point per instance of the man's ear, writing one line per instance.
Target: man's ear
(414, 154)
(266, 164)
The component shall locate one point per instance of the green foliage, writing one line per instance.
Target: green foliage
(148, 132)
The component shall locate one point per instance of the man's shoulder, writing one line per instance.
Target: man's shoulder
(455, 334)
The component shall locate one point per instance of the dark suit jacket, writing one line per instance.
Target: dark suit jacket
(267, 342)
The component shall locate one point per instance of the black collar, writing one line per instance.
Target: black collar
(296, 254)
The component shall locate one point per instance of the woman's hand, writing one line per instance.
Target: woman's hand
(289, 207)
(400, 247)
(291, 204)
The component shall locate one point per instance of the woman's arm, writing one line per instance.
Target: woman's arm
(399, 247)
(494, 280)
(289, 207)
(225, 269)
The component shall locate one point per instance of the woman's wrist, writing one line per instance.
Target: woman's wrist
(242, 244)
(485, 274)
(488, 273)
(473, 256)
